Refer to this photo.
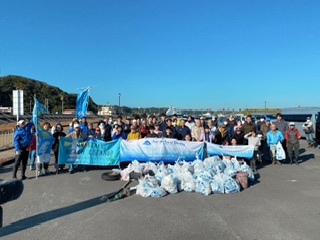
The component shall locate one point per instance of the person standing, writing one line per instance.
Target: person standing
(55, 146)
(264, 129)
(76, 134)
(44, 158)
(255, 141)
(22, 138)
(182, 130)
(309, 130)
(273, 137)
(196, 130)
(292, 137)
(282, 126)
(134, 134)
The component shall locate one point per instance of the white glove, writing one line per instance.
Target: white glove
(18, 152)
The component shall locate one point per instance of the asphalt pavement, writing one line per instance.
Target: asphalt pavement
(282, 204)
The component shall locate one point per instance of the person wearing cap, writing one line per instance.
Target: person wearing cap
(22, 138)
(238, 136)
(273, 137)
(292, 137)
(97, 134)
(282, 126)
(197, 130)
(134, 134)
(127, 126)
(157, 131)
(76, 134)
(222, 135)
(308, 129)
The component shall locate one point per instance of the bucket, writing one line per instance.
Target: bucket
(242, 178)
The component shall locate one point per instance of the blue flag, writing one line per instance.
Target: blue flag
(82, 103)
(44, 138)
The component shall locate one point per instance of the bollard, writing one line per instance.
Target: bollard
(9, 190)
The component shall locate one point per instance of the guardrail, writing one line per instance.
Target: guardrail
(6, 140)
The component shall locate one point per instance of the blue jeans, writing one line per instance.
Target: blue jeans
(309, 137)
(32, 158)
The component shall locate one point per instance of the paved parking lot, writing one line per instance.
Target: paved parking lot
(282, 204)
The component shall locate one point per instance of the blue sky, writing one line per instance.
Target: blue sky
(187, 54)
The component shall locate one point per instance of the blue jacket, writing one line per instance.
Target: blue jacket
(84, 127)
(118, 136)
(274, 138)
(22, 136)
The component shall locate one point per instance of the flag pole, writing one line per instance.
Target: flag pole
(36, 124)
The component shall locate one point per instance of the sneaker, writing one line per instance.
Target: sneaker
(47, 171)
(40, 173)
(24, 178)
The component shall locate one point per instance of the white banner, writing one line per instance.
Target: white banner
(158, 149)
(245, 151)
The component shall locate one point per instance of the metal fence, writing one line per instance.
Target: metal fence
(6, 140)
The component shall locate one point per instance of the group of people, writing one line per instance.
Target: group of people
(263, 135)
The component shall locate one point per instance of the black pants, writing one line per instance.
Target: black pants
(21, 157)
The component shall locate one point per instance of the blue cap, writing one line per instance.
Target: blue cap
(268, 119)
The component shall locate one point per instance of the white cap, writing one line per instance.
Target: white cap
(76, 125)
(20, 122)
(292, 124)
(134, 120)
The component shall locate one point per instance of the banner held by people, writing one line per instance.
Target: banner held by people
(158, 149)
(82, 103)
(89, 151)
(236, 151)
(44, 138)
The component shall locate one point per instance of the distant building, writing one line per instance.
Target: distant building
(69, 111)
(107, 110)
(6, 109)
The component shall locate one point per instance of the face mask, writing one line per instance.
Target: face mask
(225, 123)
(292, 127)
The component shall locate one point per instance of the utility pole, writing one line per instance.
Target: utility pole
(119, 101)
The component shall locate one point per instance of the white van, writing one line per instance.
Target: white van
(299, 116)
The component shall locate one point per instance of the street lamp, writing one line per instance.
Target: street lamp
(61, 104)
(265, 106)
(119, 100)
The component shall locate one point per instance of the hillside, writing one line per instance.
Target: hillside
(42, 91)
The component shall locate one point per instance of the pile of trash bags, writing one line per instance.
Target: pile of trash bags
(212, 175)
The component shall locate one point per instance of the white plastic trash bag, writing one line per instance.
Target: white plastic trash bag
(157, 192)
(203, 187)
(280, 153)
(169, 183)
(247, 169)
(231, 185)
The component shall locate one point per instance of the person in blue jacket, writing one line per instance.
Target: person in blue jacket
(22, 138)
(119, 134)
(273, 137)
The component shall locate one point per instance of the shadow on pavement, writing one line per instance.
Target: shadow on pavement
(40, 218)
